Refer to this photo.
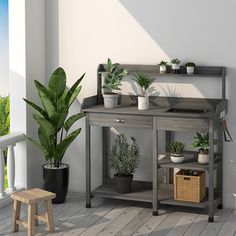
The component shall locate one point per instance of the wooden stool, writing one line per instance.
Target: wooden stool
(32, 198)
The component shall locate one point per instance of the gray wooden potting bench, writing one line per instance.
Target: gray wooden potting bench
(166, 113)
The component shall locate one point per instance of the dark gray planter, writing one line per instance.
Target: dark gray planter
(123, 183)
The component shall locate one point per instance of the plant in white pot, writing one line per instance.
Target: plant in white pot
(176, 150)
(162, 67)
(112, 82)
(54, 132)
(175, 65)
(144, 80)
(124, 160)
(201, 141)
(190, 66)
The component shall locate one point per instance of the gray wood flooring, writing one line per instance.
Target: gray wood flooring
(121, 218)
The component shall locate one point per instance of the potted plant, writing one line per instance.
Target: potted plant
(190, 68)
(201, 141)
(144, 80)
(175, 65)
(54, 135)
(124, 160)
(112, 81)
(162, 66)
(176, 150)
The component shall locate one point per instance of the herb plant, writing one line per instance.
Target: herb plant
(177, 148)
(144, 80)
(113, 76)
(124, 156)
(201, 141)
(190, 64)
(163, 63)
(175, 61)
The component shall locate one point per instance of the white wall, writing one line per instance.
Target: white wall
(146, 32)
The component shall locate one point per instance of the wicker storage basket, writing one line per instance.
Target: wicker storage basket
(189, 188)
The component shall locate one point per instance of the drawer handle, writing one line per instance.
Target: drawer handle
(122, 121)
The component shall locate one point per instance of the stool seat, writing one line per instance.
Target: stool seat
(32, 197)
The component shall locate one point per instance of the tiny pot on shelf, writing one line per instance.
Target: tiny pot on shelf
(203, 157)
(123, 183)
(177, 158)
(56, 180)
(190, 70)
(110, 100)
(162, 69)
(143, 102)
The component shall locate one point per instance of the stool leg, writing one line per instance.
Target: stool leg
(16, 215)
(36, 213)
(31, 219)
(49, 215)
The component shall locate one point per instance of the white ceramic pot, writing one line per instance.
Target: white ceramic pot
(162, 69)
(110, 100)
(175, 66)
(203, 158)
(143, 103)
(177, 159)
(190, 70)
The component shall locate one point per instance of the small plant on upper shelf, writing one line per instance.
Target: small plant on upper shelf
(190, 68)
(176, 150)
(175, 65)
(112, 82)
(144, 80)
(162, 67)
(124, 160)
(201, 141)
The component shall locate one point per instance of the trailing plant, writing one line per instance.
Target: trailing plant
(52, 118)
(175, 61)
(113, 76)
(124, 156)
(190, 64)
(163, 63)
(144, 80)
(201, 141)
(177, 148)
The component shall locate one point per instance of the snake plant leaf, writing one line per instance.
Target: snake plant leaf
(74, 95)
(47, 127)
(61, 148)
(37, 108)
(58, 119)
(73, 91)
(71, 120)
(57, 83)
(44, 150)
(45, 141)
(47, 104)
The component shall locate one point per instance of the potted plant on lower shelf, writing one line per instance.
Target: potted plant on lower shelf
(144, 80)
(175, 65)
(112, 81)
(176, 150)
(162, 67)
(54, 133)
(190, 68)
(124, 160)
(201, 141)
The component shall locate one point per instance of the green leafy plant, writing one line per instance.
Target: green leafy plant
(163, 63)
(52, 118)
(113, 76)
(190, 64)
(175, 61)
(144, 80)
(124, 156)
(177, 148)
(4, 115)
(201, 141)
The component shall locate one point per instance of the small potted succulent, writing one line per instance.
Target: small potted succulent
(112, 81)
(124, 160)
(176, 150)
(144, 80)
(162, 67)
(190, 68)
(175, 65)
(201, 141)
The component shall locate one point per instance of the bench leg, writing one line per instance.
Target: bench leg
(31, 219)
(49, 215)
(36, 213)
(16, 215)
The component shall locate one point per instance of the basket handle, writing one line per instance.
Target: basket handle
(186, 178)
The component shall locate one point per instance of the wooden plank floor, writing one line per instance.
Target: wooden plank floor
(122, 218)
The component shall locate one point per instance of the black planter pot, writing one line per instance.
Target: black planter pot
(123, 183)
(56, 181)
